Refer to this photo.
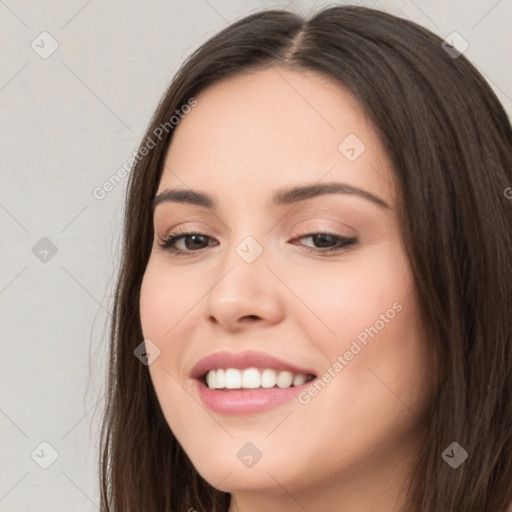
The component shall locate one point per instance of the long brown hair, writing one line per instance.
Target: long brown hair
(450, 143)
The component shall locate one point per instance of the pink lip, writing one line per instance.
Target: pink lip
(247, 401)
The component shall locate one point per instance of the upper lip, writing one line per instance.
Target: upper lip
(243, 360)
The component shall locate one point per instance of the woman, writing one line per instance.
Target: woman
(314, 305)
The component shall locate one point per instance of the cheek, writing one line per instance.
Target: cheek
(368, 328)
(353, 298)
(163, 311)
(152, 304)
(163, 306)
(375, 392)
(383, 380)
(166, 300)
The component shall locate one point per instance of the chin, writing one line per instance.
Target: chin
(241, 465)
(229, 477)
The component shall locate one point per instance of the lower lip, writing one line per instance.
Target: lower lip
(246, 401)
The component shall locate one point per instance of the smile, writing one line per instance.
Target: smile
(247, 382)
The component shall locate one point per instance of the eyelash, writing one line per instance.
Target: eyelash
(343, 242)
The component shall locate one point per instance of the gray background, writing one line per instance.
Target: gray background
(67, 123)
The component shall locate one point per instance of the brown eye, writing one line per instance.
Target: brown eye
(192, 242)
(325, 242)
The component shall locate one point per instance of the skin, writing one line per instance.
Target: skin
(352, 446)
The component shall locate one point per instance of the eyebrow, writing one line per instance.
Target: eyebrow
(281, 197)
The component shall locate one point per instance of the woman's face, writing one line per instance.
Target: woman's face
(256, 287)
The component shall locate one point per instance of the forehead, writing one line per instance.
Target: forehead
(266, 128)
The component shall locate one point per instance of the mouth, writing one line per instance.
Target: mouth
(247, 382)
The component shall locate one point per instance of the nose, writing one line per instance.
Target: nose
(245, 294)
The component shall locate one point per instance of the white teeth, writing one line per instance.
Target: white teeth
(233, 378)
(252, 378)
(268, 378)
(284, 379)
(211, 379)
(221, 379)
(298, 379)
